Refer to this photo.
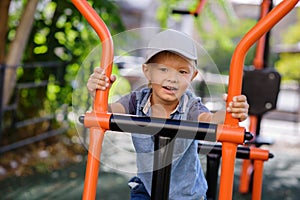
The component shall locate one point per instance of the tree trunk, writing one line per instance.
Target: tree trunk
(4, 6)
(16, 50)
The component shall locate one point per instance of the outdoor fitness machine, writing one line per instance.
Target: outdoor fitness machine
(229, 133)
(261, 99)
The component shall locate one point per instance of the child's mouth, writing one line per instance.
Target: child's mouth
(169, 88)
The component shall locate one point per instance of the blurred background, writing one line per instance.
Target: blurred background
(44, 45)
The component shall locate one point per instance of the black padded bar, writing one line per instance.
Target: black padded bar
(163, 127)
(212, 174)
(184, 12)
(243, 152)
(162, 165)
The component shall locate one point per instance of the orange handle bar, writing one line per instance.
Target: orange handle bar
(237, 62)
(101, 98)
(199, 7)
(258, 61)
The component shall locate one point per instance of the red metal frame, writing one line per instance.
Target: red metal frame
(229, 144)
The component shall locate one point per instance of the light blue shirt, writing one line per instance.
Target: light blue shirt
(187, 177)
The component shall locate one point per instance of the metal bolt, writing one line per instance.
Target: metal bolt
(268, 105)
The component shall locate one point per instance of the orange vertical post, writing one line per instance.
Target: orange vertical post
(257, 179)
(199, 7)
(101, 98)
(234, 88)
(258, 63)
(247, 167)
(259, 156)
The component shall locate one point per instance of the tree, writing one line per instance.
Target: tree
(17, 46)
(45, 31)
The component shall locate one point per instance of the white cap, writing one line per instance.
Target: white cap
(173, 41)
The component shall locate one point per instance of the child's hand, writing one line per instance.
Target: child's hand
(238, 107)
(98, 80)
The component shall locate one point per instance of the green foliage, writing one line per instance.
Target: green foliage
(218, 36)
(289, 63)
(221, 40)
(60, 33)
(165, 10)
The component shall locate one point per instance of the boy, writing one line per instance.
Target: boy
(170, 67)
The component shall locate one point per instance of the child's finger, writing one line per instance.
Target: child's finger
(240, 116)
(98, 70)
(238, 104)
(113, 78)
(237, 110)
(225, 97)
(239, 98)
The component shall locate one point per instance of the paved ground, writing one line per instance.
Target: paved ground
(281, 174)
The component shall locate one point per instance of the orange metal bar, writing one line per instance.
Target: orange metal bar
(253, 123)
(226, 133)
(227, 170)
(101, 99)
(259, 154)
(93, 163)
(258, 61)
(257, 179)
(247, 167)
(235, 86)
(237, 62)
(100, 120)
(245, 177)
(199, 7)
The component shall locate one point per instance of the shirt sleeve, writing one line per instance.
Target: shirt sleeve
(196, 109)
(129, 103)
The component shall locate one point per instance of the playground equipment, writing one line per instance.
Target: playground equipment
(194, 12)
(261, 99)
(243, 152)
(229, 133)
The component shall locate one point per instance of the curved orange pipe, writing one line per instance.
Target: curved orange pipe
(237, 62)
(258, 61)
(235, 87)
(101, 99)
(199, 7)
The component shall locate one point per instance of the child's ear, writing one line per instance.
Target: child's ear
(195, 74)
(146, 71)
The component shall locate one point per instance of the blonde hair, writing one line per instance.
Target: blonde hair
(169, 55)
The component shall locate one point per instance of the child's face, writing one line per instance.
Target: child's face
(169, 78)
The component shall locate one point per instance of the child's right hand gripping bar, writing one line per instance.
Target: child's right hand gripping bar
(230, 141)
(237, 62)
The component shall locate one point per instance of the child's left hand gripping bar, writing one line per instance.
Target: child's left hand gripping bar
(100, 103)
(101, 98)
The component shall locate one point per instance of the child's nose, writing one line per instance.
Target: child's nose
(172, 76)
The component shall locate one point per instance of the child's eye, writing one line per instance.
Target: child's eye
(163, 69)
(183, 72)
